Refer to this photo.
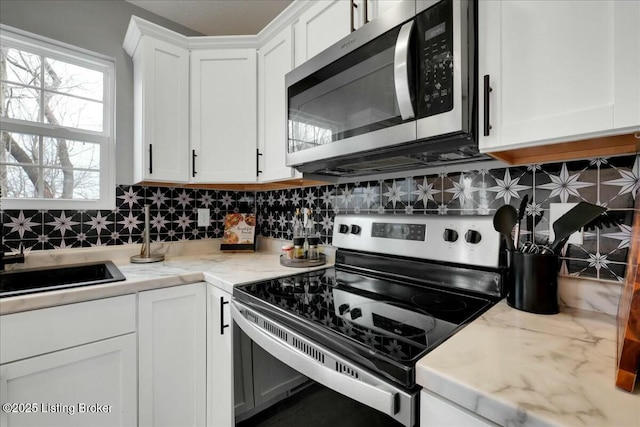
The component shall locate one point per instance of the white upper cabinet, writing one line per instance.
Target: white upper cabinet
(223, 115)
(319, 26)
(275, 59)
(559, 71)
(161, 110)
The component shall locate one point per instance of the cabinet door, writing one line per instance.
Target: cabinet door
(242, 372)
(89, 385)
(223, 115)
(220, 361)
(321, 25)
(438, 412)
(172, 347)
(271, 377)
(559, 71)
(377, 8)
(161, 111)
(275, 59)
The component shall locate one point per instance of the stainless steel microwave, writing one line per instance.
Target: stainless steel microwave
(398, 93)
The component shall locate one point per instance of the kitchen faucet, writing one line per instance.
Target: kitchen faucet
(11, 259)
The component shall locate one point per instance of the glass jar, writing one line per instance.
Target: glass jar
(313, 248)
(287, 251)
(298, 248)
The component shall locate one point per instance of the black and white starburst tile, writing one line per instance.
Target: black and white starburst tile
(460, 194)
(295, 197)
(98, 223)
(130, 197)
(395, 195)
(227, 200)
(21, 224)
(326, 194)
(345, 199)
(615, 240)
(620, 181)
(426, 193)
(184, 222)
(158, 198)
(368, 197)
(310, 197)
(62, 224)
(184, 199)
(568, 182)
(506, 186)
(205, 199)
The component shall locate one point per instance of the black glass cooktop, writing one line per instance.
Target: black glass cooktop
(388, 324)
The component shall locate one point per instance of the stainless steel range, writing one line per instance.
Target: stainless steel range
(401, 285)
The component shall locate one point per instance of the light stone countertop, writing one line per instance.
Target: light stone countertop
(190, 263)
(522, 369)
(508, 366)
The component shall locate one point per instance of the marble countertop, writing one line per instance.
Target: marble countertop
(521, 369)
(511, 367)
(224, 270)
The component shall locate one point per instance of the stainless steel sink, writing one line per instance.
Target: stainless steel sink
(20, 282)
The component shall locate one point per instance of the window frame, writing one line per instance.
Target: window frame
(53, 49)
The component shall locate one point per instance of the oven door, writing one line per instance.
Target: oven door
(325, 366)
(357, 95)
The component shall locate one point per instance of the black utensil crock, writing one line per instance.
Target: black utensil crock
(533, 283)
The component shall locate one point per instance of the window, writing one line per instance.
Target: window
(56, 125)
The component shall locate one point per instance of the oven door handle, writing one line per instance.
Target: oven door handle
(385, 401)
(401, 71)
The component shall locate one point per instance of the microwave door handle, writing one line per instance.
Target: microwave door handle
(401, 71)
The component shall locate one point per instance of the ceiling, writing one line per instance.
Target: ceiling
(217, 17)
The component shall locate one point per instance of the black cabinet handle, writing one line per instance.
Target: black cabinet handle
(258, 154)
(487, 91)
(150, 158)
(193, 163)
(366, 11)
(353, 6)
(222, 325)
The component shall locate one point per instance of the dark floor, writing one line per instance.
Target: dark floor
(319, 406)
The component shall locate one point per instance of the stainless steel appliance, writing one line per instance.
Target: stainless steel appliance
(401, 285)
(398, 93)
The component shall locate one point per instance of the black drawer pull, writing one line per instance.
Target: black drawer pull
(222, 325)
(487, 92)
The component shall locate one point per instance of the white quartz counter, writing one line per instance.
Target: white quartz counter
(521, 369)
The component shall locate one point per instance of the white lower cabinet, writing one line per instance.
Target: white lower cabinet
(220, 359)
(436, 411)
(71, 365)
(172, 342)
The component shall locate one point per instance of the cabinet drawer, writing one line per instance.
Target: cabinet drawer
(31, 333)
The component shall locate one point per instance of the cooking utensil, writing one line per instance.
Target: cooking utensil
(602, 221)
(572, 221)
(521, 210)
(504, 220)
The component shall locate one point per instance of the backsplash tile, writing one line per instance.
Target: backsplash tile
(610, 182)
(613, 183)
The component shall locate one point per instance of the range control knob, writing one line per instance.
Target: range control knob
(355, 313)
(450, 235)
(344, 229)
(343, 308)
(473, 236)
(355, 229)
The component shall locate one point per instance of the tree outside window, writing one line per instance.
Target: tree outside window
(56, 123)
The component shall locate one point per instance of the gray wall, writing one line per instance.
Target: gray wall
(99, 26)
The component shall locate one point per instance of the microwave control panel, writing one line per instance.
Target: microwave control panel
(435, 46)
